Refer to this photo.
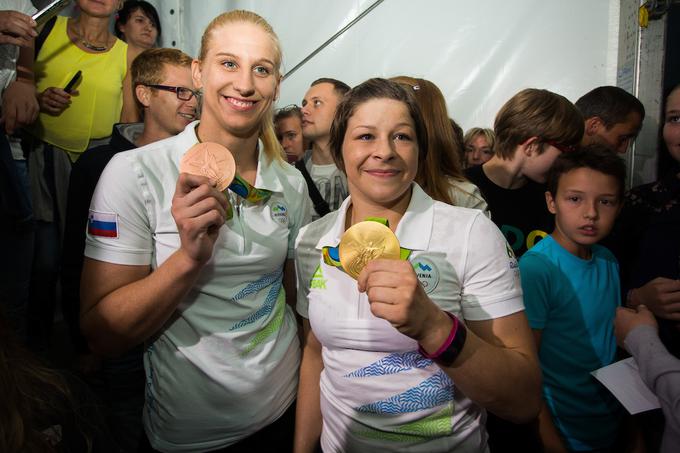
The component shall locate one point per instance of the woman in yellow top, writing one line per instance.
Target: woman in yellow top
(102, 97)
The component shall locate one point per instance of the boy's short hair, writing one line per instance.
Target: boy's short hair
(609, 103)
(536, 113)
(596, 157)
(340, 87)
(147, 68)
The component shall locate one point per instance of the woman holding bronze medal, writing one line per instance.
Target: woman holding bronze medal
(432, 332)
(189, 249)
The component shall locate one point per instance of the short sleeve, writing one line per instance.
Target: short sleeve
(490, 284)
(119, 229)
(536, 287)
(301, 217)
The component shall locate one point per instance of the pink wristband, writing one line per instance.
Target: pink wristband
(447, 343)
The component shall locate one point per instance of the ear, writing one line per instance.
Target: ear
(529, 146)
(196, 74)
(143, 95)
(550, 202)
(593, 125)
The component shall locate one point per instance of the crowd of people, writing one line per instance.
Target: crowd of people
(230, 320)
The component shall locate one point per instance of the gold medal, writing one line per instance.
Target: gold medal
(211, 160)
(366, 241)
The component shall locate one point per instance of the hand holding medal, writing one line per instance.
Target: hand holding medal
(199, 207)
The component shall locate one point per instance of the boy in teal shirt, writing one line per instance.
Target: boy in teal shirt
(571, 291)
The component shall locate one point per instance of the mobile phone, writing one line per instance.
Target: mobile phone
(74, 80)
(49, 11)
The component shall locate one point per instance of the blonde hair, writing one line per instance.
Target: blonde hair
(272, 147)
(148, 68)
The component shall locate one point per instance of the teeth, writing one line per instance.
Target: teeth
(240, 103)
(187, 116)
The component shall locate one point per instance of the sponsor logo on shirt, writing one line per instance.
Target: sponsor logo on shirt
(280, 213)
(318, 282)
(427, 273)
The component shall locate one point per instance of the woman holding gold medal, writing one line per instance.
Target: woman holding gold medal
(192, 263)
(432, 332)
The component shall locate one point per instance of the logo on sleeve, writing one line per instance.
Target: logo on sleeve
(102, 224)
(427, 272)
(318, 282)
(280, 213)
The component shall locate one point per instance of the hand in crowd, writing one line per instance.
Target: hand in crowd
(55, 100)
(16, 28)
(199, 210)
(19, 106)
(661, 295)
(628, 319)
(395, 294)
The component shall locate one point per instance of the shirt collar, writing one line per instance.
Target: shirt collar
(266, 177)
(413, 232)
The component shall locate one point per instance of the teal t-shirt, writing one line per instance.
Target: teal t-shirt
(573, 302)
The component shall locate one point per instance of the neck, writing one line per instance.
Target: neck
(244, 149)
(361, 209)
(321, 152)
(505, 173)
(151, 133)
(93, 28)
(581, 251)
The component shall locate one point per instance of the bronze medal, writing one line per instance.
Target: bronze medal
(211, 160)
(366, 241)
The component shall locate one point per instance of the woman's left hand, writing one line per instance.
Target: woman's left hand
(395, 295)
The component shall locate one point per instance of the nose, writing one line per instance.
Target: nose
(305, 110)
(383, 149)
(244, 83)
(591, 210)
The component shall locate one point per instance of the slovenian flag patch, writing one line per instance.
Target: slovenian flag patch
(102, 224)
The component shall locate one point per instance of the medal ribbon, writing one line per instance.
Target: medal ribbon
(331, 255)
(245, 190)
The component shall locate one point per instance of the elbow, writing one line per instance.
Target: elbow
(101, 341)
(524, 402)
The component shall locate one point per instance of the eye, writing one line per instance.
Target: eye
(402, 136)
(365, 137)
(317, 102)
(488, 152)
(469, 149)
(673, 119)
(229, 64)
(608, 201)
(262, 70)
(573, 199)
(304, 103)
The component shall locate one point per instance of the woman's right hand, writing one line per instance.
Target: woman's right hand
(54, 100)
(17, 28)
(199, 210)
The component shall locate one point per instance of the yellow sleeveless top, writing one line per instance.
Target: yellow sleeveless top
(97, 107)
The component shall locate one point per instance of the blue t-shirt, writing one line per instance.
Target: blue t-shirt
(573, 302)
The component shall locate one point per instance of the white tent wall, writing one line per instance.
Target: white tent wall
(479, 53)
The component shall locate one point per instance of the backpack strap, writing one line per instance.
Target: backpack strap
(320, 205)
(42, 36)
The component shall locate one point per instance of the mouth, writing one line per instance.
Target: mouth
(239, 104)
(588, 230)
(187, 116)
(306, 123)
(382, 172)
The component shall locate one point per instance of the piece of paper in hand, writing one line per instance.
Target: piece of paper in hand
(623, 380)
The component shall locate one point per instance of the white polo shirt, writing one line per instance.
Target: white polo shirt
(377, 392)
(225, 365)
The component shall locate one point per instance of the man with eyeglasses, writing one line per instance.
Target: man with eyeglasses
(164, 94)
(288, 126)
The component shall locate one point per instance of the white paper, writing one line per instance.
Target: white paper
(623, 380)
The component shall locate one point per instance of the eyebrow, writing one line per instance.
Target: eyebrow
(374, 127)
(582, 192)
(259, 60)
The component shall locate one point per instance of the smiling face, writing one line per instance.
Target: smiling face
(671, 127)
(585, 206)
(163, 111)
(239, 78)
(380, 153)
(139, 30)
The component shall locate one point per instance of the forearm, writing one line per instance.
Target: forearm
(658, 369)
(308, 422)
(550, 437)
(134, 312)
(504, 380)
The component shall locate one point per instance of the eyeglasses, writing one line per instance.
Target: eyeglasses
(183, 94)
(561, 146)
